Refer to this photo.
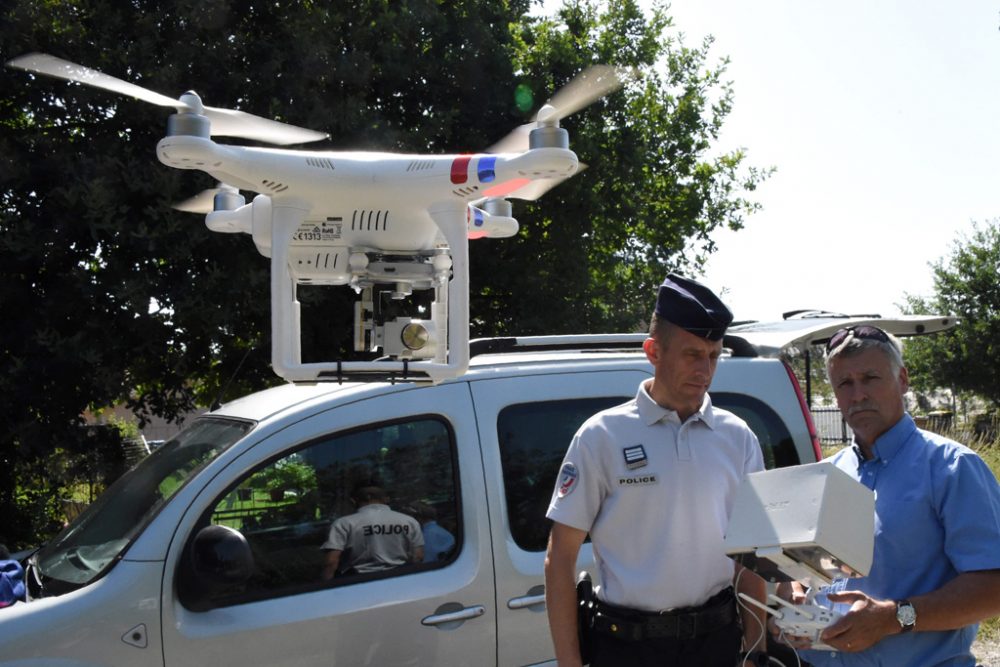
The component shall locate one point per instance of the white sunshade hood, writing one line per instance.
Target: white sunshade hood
(799, 332)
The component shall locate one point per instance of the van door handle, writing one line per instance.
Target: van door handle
(525, 601)
(534, 596)
(453, 616)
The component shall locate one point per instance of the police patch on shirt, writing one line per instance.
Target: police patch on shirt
(635, 457)
(637, 480)
(568, 477)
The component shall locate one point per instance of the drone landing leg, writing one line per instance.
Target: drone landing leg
(450, 218)
(286, 349)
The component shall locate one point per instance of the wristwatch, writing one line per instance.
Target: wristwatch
(906, 615)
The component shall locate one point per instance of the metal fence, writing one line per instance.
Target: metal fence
(831, 427)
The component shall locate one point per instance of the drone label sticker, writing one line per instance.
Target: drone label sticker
(328, 230)
(568, 477)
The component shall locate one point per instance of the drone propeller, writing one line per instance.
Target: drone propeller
(224, 122)
(589, 86)
(586, 88)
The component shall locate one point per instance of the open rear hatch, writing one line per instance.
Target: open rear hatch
(801, 330)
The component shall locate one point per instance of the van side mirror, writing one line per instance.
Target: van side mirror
(221, 555)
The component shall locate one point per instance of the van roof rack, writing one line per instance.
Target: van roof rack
(585, 342)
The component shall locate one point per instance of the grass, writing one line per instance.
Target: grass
(989, 629)
(989, 450)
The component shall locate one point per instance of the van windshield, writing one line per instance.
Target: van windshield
(88, 546)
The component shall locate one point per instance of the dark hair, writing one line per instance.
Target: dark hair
(4, 553)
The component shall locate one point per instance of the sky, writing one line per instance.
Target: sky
(882, 118)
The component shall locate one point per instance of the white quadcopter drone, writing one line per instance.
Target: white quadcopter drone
(373, 221)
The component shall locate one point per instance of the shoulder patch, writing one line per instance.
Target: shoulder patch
(568, 477)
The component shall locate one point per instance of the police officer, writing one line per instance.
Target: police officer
(374, 538)
(652, 482)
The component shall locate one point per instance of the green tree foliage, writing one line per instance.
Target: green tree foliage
(591, 253)
(966, 358)
(108, 294)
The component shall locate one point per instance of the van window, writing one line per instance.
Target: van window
(533, 441)
(775, 440)
(94, 542)
(385, 499)
(534, 437)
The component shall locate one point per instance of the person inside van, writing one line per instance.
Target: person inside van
(373, 538)
(438, 540)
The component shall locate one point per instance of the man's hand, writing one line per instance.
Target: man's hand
(866, 623)
(791, 591)
(968, 598)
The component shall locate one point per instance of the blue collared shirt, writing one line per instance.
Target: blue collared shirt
(937, 514)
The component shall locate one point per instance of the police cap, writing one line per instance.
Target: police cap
(693, 307)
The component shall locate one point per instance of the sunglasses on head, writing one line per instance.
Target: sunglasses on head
(865, 332)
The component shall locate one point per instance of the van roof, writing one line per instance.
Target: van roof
(512, 354)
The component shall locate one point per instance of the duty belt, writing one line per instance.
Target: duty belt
(688, 623)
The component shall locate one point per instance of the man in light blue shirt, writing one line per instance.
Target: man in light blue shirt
(936, 567)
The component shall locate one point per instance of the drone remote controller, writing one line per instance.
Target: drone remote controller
(807, 620)
(800, 620)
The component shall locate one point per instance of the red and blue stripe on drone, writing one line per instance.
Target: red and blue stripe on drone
(485, 173)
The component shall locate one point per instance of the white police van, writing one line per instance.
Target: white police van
(145, 576)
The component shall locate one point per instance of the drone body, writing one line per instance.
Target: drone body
(378, 222)
(372, 200)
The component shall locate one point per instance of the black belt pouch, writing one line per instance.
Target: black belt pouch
(585, 615)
